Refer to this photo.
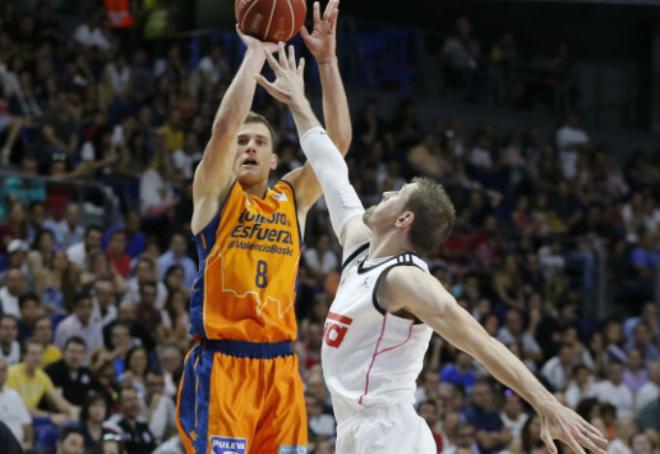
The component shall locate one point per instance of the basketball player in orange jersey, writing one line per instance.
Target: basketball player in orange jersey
(388, 305)
(241, 391)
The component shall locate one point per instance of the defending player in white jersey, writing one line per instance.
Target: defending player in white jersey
(379, 325)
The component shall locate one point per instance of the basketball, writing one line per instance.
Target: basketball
(270, 20)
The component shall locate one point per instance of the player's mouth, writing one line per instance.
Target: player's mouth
(249, 163)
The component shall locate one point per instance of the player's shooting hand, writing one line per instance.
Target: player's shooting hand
(255, 44)
(563, 424)
(322, 42)
(289, 85)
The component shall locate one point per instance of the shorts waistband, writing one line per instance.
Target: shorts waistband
(243, 349)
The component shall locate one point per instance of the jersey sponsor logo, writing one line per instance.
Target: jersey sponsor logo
(335, 329)
(228, 445)
(256, 232)
(292, 450)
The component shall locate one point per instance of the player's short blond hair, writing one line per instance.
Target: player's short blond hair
(434, 216)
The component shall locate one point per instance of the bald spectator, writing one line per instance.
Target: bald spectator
(10, 349)
(15, 285)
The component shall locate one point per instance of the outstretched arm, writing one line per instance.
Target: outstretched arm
(411, 289)
(215, 171)
(323, 156)
(322, 43)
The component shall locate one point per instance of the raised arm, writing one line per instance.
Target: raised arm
(215, 171)
(322, 44)
(413, 290)
(324, 159)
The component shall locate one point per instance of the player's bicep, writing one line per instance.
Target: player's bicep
(429, 301)
(215, 171)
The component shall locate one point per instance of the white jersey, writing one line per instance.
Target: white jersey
(370, 357)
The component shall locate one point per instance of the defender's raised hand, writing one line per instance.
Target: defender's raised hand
(289, 85)
(322, 42)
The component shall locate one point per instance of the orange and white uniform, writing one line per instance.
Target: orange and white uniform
(241, 390)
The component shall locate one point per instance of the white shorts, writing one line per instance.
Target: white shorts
(395, 429)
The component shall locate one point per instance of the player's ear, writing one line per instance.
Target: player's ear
(274, 161)
(405, 220)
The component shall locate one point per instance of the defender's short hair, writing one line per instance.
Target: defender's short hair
(434, 216)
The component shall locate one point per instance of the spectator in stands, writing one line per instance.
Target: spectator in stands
(491, 434)
(514, 332)
(580, 387)
(71, 441)
(176, 255)
(10, 349)
(10, 127)
(16, 257)
(461, 54)
(466, 440)
(643, 341)
(429, 411)
(15, 227)
(33, 385)
(634, 375)
(43, 333)
(138, 438)
(121, 261)
(58, 129)
(159, 410)
(214, 67)
(25, 189)
(69, 376)
(79, 253)
(642, 444)
(57, 282)
(14, 287)
(185, 159)
(176, 320)
(92, 416)
(150, 317)
(157, 197)
(117, 76)
(80, 324)
(68, 230)
(136, 239)
(91, 35)
(320, 424)
(14, 413)
(513, 414)
(557, 370)
(614, 391)
(572, 141)
(31, 310)
(461, 373)
(651, 389)
(530, 439)
(104, 300)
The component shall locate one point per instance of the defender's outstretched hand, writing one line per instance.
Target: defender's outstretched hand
(289, 85)
(563, 424)
(322, 42)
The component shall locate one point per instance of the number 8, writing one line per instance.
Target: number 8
(262, 274)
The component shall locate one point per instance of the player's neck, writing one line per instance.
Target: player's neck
(387, 245)
(258, 189)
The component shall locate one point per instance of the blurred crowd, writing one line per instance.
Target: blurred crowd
(94, 320)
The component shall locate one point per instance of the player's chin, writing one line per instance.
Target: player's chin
(250, 176)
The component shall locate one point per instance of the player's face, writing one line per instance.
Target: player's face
(254, 157)
(384, 215)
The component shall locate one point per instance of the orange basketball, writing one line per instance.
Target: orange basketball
(270, 20)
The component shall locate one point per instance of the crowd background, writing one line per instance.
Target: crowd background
(100, 131)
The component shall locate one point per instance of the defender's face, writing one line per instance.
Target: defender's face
(254, 156)
(385, 215)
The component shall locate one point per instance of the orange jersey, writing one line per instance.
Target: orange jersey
(248, 262)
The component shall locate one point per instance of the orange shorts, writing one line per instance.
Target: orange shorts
(242, 398)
